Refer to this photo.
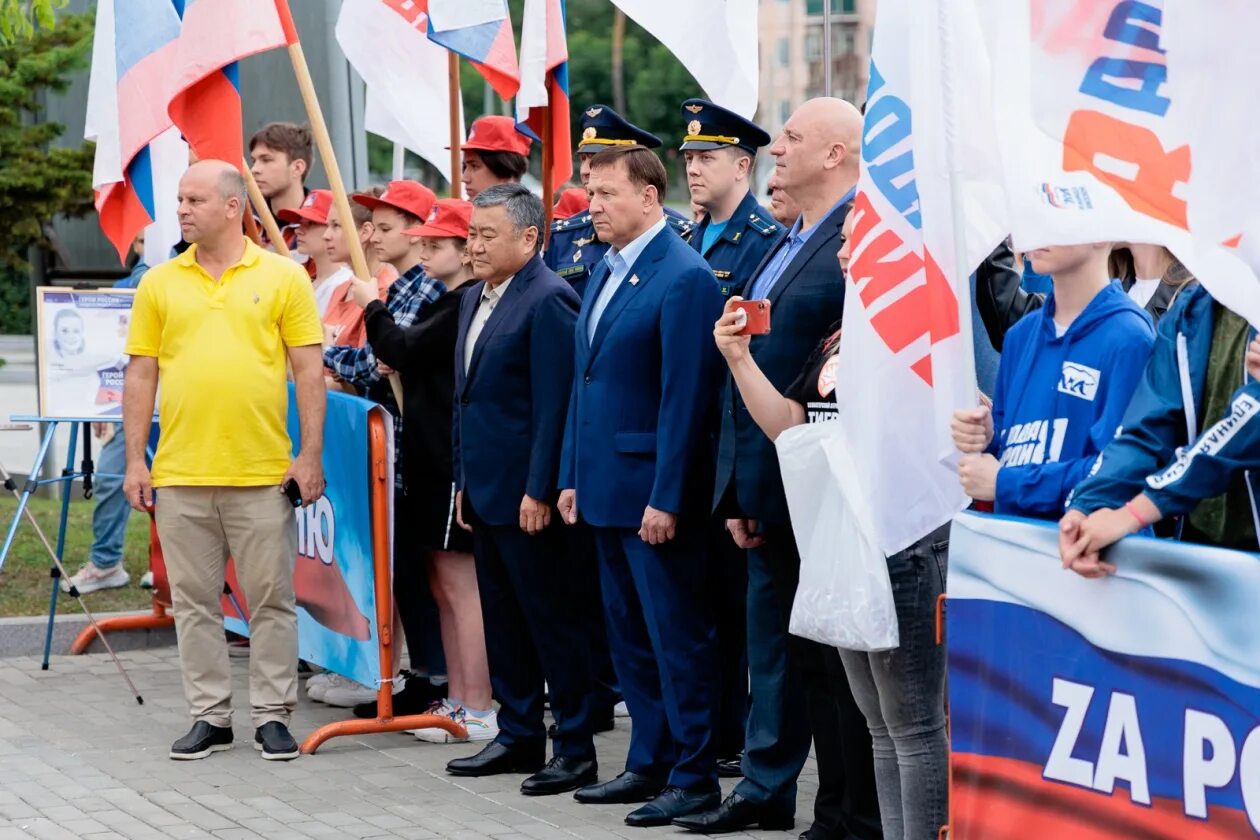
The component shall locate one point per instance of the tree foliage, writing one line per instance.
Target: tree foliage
(20, 18)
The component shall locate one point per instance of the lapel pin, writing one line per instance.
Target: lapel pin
(634, 279)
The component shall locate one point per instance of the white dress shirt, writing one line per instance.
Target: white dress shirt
(619, 262)
(489, 300)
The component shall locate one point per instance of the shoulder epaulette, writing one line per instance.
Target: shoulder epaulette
(766, 227)
(682, 226)
(571, 222)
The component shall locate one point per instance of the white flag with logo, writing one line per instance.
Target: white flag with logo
(1133, 122)
(408, 99)
(716, 40)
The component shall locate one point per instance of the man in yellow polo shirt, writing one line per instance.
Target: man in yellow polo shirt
(215, 326)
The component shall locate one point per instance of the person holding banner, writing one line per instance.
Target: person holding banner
(1066, 376)
(513, 364)
(224, 318)
(901, 692)
(494, 153)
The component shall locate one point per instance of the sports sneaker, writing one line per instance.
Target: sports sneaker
(146, 580)
(203, 739)
(89, 578)
(440, 708)
(319, 683)
(273, 740)
(346, 692)
(621, 709)
(479, 728)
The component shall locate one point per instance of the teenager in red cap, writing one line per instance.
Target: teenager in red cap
(424, 355)
(494, 153)
(311, 220)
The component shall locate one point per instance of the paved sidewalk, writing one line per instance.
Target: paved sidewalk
(80, 760)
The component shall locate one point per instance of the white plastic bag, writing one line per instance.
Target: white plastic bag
(844, 598)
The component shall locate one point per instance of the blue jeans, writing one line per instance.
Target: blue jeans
(109, 516)
(902, 694)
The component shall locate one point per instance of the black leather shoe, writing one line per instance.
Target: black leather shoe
(730, 768)
(734, 814)
(623, 790)
(275, 743)
(497, 758)
(203, 739)
(671, 806)
(562, 774)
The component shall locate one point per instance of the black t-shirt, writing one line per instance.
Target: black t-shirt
(815, 387)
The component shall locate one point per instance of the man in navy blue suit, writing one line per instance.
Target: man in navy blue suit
(799, 688)
(638, 465)
(513, 368)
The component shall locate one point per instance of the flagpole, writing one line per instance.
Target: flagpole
(452, 72)
(251, 227)
(548, 191)
(319, 128)
(400, 162)
(264, 212)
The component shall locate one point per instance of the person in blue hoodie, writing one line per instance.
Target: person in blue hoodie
(1065, 379)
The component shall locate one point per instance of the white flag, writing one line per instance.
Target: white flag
(169, 155)
(406, 75)
(1134, 122)
(716, 40)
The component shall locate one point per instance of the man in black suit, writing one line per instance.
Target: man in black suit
(513, 372)
(798, 687)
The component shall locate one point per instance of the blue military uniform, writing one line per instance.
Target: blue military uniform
(573, 250)
(751, 231)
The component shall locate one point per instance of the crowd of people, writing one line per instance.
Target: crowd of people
(589, 510)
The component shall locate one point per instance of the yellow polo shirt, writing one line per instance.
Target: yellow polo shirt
(220, 346)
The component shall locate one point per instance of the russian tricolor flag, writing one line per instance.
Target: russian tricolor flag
(545, 84)
(484, 38)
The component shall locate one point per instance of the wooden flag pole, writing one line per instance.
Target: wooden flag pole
(264, 212)
(251, 228)
(323, 142)
(548, 191)
(452, 72)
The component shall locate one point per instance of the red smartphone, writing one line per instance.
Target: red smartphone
(756, 316)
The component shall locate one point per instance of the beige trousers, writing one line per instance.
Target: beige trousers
(199, 527)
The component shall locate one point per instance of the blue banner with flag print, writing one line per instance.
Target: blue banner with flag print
(1092, 709)
(333, 574)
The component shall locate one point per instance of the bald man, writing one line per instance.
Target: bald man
(799, 688)
(215, 326)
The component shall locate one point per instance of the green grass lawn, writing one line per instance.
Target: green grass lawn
(24, 581)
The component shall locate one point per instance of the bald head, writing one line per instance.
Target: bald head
(816, 154)
(212, 200)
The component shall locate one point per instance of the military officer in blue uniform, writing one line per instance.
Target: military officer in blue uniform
(573, 249)
(736, 232)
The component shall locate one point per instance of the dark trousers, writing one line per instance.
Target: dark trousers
(533, 633)
(417, 610)
(664, 651)
(580, 541)
(790, 675)
(728, 586)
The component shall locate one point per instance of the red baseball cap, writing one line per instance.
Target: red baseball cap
(572, 201)
(496, 134)
(314, 209)
(449, 217)
(408, 196)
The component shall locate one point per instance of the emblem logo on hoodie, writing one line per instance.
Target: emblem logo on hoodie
(1079, 381)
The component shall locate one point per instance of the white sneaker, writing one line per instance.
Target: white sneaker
(479, 728)
(146, 580)
(621, 710)
(346, 692)
(432, 734)
(91, 579)
(318, 684)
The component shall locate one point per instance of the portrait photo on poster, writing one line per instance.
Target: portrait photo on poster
(81, 337)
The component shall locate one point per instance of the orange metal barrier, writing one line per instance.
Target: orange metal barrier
(157, 619)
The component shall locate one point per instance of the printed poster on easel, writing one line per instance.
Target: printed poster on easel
(81, 337)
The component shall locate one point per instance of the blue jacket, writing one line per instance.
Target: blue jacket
(640, 426)
(1152, 454)
(749, 235)
(509, 409)
(573, 250)
(1059, 400)
(807, 299)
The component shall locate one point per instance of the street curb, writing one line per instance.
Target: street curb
(24, 635)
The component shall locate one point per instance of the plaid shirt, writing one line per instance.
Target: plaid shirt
(405, 300)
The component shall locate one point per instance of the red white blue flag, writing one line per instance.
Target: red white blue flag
(478, 30)
(545, 84)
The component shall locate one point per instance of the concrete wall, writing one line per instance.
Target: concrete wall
(269, 92)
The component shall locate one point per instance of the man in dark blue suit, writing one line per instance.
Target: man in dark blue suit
(513, 369)
(799, 688)
(637, 464)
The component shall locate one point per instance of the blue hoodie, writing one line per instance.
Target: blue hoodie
(1060, 400)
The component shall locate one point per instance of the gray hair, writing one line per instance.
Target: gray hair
(232, 185)
(523, 208)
